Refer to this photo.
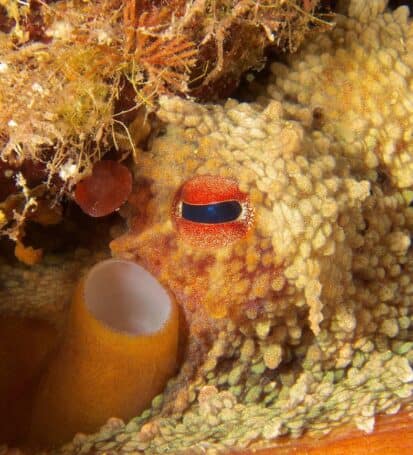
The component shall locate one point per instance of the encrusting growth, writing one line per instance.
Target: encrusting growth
(105, 190)
(75, 76)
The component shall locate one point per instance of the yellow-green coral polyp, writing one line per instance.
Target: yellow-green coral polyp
(119, 350)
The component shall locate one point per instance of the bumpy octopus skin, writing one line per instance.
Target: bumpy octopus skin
(305, 322)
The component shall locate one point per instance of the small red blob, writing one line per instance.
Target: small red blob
(105, 190)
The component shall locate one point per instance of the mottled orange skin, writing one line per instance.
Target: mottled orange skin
(207, 286)
(295, 295)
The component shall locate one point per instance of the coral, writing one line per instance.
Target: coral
(305, 322)
(75, 75)
(121, 342)
(27, 255)
(204, 47)
(44, 291)
(105, 190)
(24, 197)
(56, 93)
(165, 57)
(3, 219)
(60, 84)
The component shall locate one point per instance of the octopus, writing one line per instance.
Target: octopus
(283, 229)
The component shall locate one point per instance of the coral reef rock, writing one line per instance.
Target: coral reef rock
(304, 322)
(70, 70)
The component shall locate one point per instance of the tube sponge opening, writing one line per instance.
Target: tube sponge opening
(119, 350)
(126, 298)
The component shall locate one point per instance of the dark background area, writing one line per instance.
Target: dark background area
(393, 4)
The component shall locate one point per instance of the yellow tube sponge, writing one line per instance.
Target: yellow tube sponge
(119, 350)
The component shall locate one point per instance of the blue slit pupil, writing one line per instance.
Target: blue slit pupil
(220, 212)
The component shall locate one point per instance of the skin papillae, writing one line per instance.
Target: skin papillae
(305, 324)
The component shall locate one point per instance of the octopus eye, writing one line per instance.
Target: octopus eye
(219, 212)
(211, 211)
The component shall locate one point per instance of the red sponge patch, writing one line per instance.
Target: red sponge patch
(105, 190)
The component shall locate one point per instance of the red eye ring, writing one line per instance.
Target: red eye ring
(206, 189)
(211, 211)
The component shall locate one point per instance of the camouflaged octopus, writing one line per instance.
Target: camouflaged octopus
(299, 310)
